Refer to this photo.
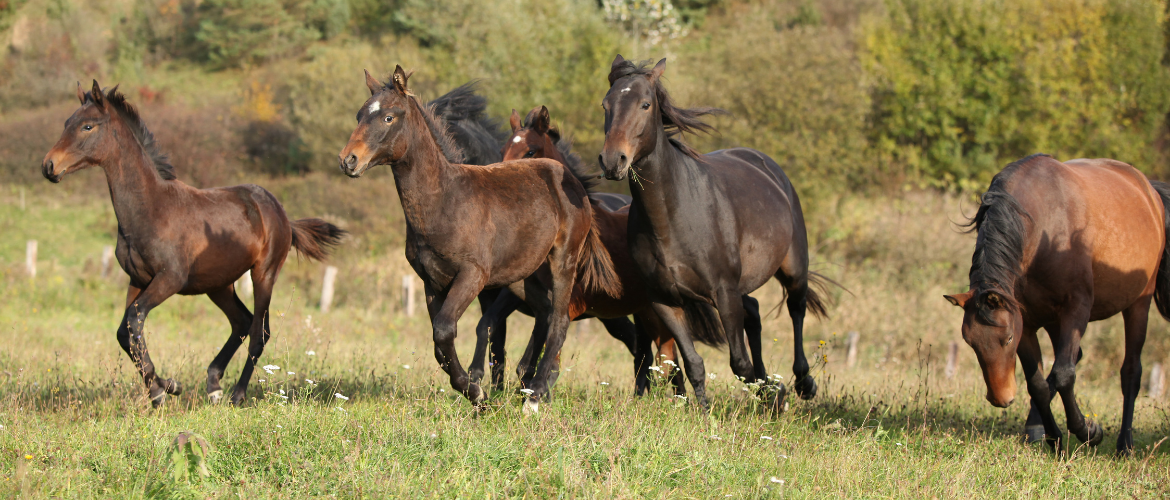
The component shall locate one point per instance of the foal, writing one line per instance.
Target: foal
(523, 224)
(176, 239)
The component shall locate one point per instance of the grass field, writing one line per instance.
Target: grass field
(74, 420)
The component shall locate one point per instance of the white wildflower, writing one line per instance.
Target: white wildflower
(339, 396)
(292, 373)
(775, 480)
(406, 366)
(769, 438)
(282, 391)
(310, 353)
(656, 368)
(605, 383)
(310, 382)
(527, 392)
(711, 376)
(668, 362)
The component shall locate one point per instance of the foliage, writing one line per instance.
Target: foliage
(244, 32)
(963, 87)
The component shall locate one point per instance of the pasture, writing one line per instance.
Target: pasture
(359, 408)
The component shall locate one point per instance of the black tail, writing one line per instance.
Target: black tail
(465, 114)
(1162, 286)
(704, 323)
(818, 287)
(313, 237)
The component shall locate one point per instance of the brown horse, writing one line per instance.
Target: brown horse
(1060, 245)
(523, 224)
(176, 239)
(706, 229)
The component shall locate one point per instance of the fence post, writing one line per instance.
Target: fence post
(107, 256)
(327, 289)
(244, 284)
(851, 349)
(1157, 381)
(30, 258)
(952, 359)
(408, 294)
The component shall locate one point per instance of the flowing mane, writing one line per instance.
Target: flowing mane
(999, 248)
(588, 175)
(675, 120)
(146, 139)
(465, 113)
(437, 125)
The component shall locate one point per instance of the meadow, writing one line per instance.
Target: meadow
(359, 408)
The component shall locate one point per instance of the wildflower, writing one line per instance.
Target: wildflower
(826, 358)
(711, 376)
(339, 396)
(527, 392)
(310, 382)
(656, 368)
(605, 383)
(442, 390)
(769, 438)
(433, 435)
(406, 366)
(783, 456)
(271, 369)
(899, 444)
(278, 426)
(292, 373)
(260, 380)
(310, 353)
(282, 391)
(822, 343)
(669, 362)
(775, 480)
(342, 409)
(28, 457)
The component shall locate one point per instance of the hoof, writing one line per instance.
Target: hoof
(476, 394)
(775, 397)
(171, 387)
(805, 387)
(1095, 433)
(215, 396)
(157, 401)
(1033, 433)
(531, 407)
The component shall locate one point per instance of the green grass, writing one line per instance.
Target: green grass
(76, 422)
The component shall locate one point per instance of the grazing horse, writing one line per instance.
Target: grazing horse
(1060, 245)
(706, 229)
(524, 224)
(176, 239)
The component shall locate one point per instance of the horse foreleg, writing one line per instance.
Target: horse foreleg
(139, 303)
(1038, 387)
(672, 317)
(444, 323)
(1066, 346)
(1136, 318)
(648, 328)
(241, 319)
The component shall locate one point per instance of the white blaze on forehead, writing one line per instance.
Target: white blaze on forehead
(375, 106)
(627, 89)
(516, 139)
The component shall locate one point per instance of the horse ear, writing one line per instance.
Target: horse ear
(514, 121)
(96, 94)
(994, 300)
(541, 121)
(80, 94)
(617, 61)
(400, 77)
(374, 85)
(959, 299)
(658, 70)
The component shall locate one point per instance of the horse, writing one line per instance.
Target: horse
(177, 239)
(524, 224)
(1061, 244)
(706, 229)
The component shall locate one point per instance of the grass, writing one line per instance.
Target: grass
(76, 422)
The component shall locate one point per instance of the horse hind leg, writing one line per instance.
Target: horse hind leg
(263, 281)
(1136, 318)
(803, 383)
(241, 320)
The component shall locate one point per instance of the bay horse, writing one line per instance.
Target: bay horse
(706, 229)
(177, 239)
(524, 224)
(1061, 244)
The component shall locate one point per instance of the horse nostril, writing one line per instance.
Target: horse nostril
(622, 161)
(351, 160)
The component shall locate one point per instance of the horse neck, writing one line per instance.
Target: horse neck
(421, 176)
(665, 177)
(132, 177)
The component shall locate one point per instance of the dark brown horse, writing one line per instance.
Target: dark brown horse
(470, 227)
(705, 229)
(176, 239)
(1060, 245)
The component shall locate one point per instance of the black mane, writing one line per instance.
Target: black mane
(999, 248)
(474, 132)
(436, 125)
(129, 115)
(588, 176)
(675, 120)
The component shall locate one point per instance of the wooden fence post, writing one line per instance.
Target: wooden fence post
(1157, 381)
(327, 289)
(30, 258)
(107, 256)
(952, 360)
(408, 295)
(851, 349)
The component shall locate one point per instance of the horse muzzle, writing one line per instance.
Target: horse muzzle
(615, 164)
(351, 166)
(48, 170)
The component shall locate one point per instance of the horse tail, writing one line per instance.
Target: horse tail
(704, 323)
(313, 237)
(595, 266)
(818, 288)
(1162, 285)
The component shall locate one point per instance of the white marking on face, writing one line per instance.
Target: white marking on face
(627, 89)
(516, 139)
(375, 106)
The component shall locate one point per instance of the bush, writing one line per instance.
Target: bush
(246, 32)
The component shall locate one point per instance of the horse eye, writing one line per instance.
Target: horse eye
(389, 118)
(645, 105)
(530, 154)
(87, 128)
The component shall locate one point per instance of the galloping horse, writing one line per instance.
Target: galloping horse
(525, 224)
(173, 238)
(1060, 245)
(705, 229)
